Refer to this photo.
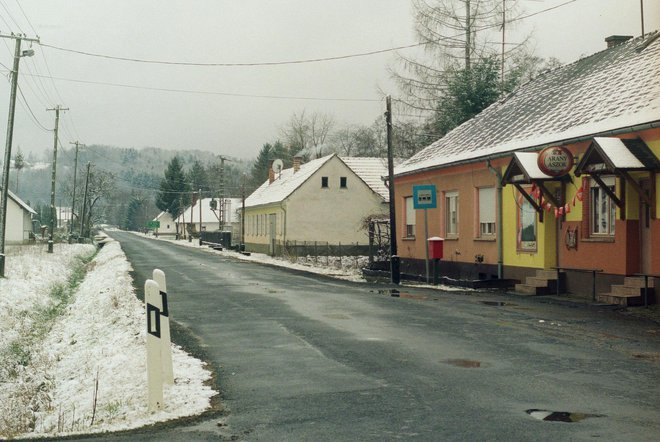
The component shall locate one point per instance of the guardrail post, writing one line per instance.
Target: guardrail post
(165, 340)
(154, 360)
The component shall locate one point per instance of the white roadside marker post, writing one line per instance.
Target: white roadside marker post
(154, 359)
(165, 340)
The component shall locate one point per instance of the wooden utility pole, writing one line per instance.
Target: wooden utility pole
(73, 200)
(8, 143)
(468, 35)
(200, 216)
(242, 245)
(53, 212)
(394, 258)
(84, 205)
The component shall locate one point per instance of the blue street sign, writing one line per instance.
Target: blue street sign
(424, 197)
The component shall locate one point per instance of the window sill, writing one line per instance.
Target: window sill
(485, 238)
(607, 239)
(451, 238)
(408, 238)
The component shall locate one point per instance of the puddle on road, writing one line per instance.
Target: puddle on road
(496, 303)
(559, 416)
(463, 363)
(399, 294)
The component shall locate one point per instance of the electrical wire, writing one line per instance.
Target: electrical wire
(294, 62)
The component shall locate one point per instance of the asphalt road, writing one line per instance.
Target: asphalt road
(301, 357)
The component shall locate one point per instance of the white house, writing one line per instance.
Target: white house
(324, 200)
(188, 221)
(19, 220)
(167, 224)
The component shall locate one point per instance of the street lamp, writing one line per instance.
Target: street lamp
(10, 133)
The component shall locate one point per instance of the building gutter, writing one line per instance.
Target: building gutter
(622, 130)
(500, 238)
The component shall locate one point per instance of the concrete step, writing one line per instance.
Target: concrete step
(630, 291)
(547, 274)
(636, 281)
(535, 281)
(526, 289)
(620, 299)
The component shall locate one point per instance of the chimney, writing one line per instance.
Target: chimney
(271, 172)
(616, 40)
(296, 163)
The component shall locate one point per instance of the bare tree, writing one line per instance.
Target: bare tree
(101, 186)
(307, 134)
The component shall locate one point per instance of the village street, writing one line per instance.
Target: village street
(303, 357)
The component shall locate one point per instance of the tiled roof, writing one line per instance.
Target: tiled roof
(368, 169)
(612, 89)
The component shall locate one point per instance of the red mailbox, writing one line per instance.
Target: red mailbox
(435, 247)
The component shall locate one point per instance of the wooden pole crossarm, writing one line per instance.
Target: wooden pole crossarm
(607, 190)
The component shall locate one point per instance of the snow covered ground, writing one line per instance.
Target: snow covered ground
(72, 354)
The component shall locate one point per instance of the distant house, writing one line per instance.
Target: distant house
(167, 224)
(188, 221)
(324, 200)
(19, 220)
(502, 215)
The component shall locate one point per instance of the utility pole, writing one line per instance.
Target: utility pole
(200, 217)
(503, 36)
(57, 110)
(241, 248)
(84, 205)
(10, 134)
(468, 35)
(73, 200)
(394, 258)
(222, 203)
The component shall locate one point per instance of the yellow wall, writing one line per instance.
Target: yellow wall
(263, 236)
(545, 254)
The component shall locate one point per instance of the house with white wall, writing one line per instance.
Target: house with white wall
(325, 200)
(211, 219)
(19, 220)
(167, 224)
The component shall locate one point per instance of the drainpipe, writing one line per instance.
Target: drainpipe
(283, 223)
(500, 239)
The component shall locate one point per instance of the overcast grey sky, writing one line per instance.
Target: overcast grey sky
(237, 31)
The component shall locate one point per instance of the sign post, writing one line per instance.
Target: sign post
(424, 197)
(152, 301)
(166, 349)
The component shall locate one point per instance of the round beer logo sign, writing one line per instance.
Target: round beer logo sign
(555, 161)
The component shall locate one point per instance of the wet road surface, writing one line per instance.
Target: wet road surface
(301, 357)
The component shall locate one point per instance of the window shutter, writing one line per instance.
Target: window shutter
(487, 205)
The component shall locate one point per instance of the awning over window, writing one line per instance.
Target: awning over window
(616, 156)
(610, 155)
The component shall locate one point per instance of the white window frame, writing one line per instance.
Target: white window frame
(451, 214)
(487, 211)
(602, 210)
(410, 216)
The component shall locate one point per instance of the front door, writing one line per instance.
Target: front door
(272, 232)
(645, 229)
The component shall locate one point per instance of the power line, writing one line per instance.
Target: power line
(292, 62)
(226, 94)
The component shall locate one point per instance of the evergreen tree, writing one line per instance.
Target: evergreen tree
(267, 153)
(172, 195)
(19, 164)
(197, 177)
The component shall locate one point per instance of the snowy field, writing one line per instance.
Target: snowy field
(72, 347)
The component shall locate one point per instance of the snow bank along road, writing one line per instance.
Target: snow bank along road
(302, 357)
(72, 353)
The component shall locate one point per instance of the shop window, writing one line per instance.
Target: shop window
(487, 209)
(324, 182)
(602, 208)
(527, 233)
(410, 218)
(342, 182)
(451, 214)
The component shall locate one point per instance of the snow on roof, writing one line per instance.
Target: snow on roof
(368, 169)
(21, 203)
(191, 214)
(618, 153)
(285, 183)
(612, 89)
(529, 162)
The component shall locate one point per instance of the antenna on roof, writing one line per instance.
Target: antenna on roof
(278, 165)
